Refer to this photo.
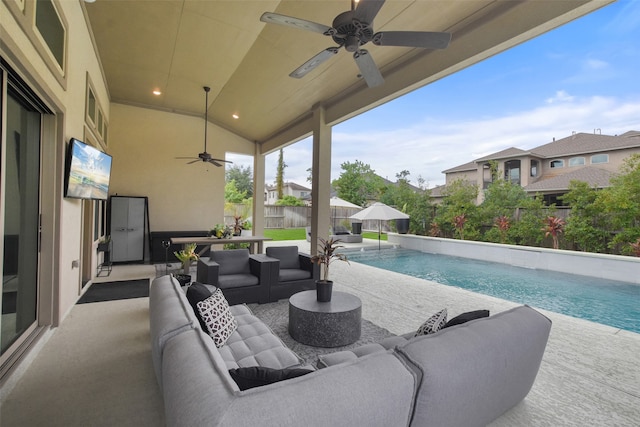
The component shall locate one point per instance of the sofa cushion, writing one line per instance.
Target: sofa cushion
(433, 324)
(288, 256)
(473, 373)
(197, 292)
(466, 317)
(254, 344)
(218, 318)
(232, 261)
(258, 376)
(338, 357)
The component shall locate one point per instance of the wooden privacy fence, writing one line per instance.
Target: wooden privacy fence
(300, 216)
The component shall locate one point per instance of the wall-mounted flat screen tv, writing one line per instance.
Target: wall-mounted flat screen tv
(88, 172)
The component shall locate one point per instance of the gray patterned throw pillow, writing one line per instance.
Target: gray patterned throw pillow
(433, 323)
(216, 315)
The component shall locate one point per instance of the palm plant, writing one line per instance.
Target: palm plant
(458, 223)
(635, 247)
(327, 255)
(503, 223)
(554, 226)
(187, 255)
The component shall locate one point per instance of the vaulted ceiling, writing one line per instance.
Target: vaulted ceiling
(179, 46)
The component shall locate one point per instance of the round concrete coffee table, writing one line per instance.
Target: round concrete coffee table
(325, 324)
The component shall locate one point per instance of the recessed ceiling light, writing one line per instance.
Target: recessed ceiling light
(235, 116)
(157, 92)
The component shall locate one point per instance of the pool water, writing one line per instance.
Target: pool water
(608, 302)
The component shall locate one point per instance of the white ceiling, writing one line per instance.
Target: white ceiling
(179, 46)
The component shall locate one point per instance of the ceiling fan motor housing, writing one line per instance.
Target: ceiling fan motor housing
(350, 32)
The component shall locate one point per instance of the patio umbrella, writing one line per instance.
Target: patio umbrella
(381, 212)
(337, 202)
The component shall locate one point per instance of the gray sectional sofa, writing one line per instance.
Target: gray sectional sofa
(466, 375)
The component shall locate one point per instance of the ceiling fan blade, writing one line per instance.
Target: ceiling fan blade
(301, 24)
(222, 160)
(311, 64)
(213, 161)
(424, 39)
(193, 161)
(368, 68)
(185, 158)
(367, 10)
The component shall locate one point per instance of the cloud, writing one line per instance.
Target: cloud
(431, 146)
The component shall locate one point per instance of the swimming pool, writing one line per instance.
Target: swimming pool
(608, 302)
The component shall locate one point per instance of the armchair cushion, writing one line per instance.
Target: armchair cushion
(289, 274)
(232, 261)
(229, 281)
(288, 256)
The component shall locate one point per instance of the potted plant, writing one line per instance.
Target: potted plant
(221, 231)
(185, 256)
(324, 258)
(246, 228)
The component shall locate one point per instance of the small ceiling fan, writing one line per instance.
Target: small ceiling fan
(353, 29)
(204, 156)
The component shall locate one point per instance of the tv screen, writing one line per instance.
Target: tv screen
(88, 172)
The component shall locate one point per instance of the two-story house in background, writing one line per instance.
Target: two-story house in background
(288, 189)
(548, 169)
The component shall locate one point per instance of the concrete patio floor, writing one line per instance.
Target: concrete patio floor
(590, 374)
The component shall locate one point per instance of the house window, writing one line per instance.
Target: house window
(50, 27)
(576, 161)
(556, 164)
(534, 168)
(512, 171)
(599, 158)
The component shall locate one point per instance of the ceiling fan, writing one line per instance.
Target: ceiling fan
(353, 29)
(204, 156)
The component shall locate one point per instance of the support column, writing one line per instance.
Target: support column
(257, 220)
(321, 179)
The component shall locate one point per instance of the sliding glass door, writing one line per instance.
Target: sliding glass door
(19, 211)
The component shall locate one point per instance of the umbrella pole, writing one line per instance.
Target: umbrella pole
(379, 230)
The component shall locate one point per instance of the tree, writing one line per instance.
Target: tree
(586, 227)
(289, 200)
(459, 198)
(231, 193)
(243, 177)
(621, 202)
(357, 182)
(280, 175)
(501, 198)
(526, 229)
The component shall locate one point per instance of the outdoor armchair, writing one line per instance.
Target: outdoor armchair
(243, 278)
(291, 272)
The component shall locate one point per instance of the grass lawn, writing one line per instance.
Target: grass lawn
(300, 234)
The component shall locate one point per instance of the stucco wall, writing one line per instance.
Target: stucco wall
(144, 144)
(62, 218)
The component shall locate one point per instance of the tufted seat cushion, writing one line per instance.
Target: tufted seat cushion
(326, 360)
(255, 344)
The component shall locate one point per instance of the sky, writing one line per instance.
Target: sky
(581, 77)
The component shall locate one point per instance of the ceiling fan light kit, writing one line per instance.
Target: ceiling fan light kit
(351, 30)
(205, 156)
